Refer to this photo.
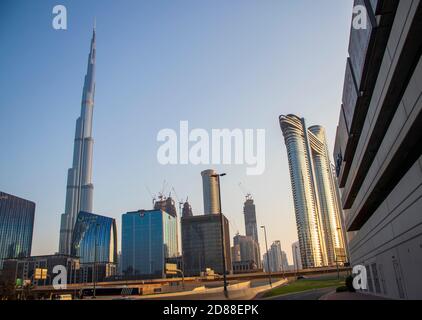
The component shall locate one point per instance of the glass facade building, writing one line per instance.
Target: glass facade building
(149, 238)
(94, 236)
(16, 227)
(201, 244)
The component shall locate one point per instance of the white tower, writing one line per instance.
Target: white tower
(210, 189)
(79, 192)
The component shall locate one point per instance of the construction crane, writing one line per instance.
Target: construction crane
(177, 199)
(247, 194)
(161, 194)
(153, 197)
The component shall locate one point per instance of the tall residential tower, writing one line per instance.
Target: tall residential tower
(316, 204)
(79, 193)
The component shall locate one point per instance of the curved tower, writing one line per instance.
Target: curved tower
(79, 191)
(328, 206)
(318, 216)
(311, 243)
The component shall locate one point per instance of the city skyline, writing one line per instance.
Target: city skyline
(110, 175)
(244, 150)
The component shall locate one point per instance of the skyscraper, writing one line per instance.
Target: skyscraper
(236, 253)
(297, 260)
(187, 210)
(166, 204)
(249, 250)
(16, 227)
(210, 190)
(277, 258)
(317, 211)
(329, 209)
(149, 238)
(94, 239)
(79, 191)
(250, 218)
(202, 243)
(251, 225)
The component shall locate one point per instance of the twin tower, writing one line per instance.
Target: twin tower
(315, 194)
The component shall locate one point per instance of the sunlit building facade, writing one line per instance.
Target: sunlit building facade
(249, 250)
(210, 188)
(318, 215)
(297, 259)
(16, 227)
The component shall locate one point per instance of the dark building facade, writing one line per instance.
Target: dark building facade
(378, 150)
(240, 267)
(24, 268)
(94, 240)
(201, 243)
(16, 227)
(187, 210)
(250, 219)
(251, 228)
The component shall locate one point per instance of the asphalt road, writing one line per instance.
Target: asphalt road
(305, 295)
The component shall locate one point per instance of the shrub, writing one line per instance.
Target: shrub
(349, 284)
(342, 289)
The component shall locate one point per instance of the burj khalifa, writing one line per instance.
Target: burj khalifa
(79, 191)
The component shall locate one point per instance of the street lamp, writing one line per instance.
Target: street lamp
(223, 251)
(268, 256)
(183, 259)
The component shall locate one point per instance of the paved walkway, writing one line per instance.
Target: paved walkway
(303, 295)
(349, 296)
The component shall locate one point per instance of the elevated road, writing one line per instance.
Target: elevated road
(174, 284)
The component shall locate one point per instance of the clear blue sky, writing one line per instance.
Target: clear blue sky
(218, 64)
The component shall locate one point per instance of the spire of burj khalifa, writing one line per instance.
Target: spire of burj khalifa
(79, 191)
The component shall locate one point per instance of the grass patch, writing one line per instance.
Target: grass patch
(304, 285)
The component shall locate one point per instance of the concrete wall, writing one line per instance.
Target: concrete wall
(389, 244)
